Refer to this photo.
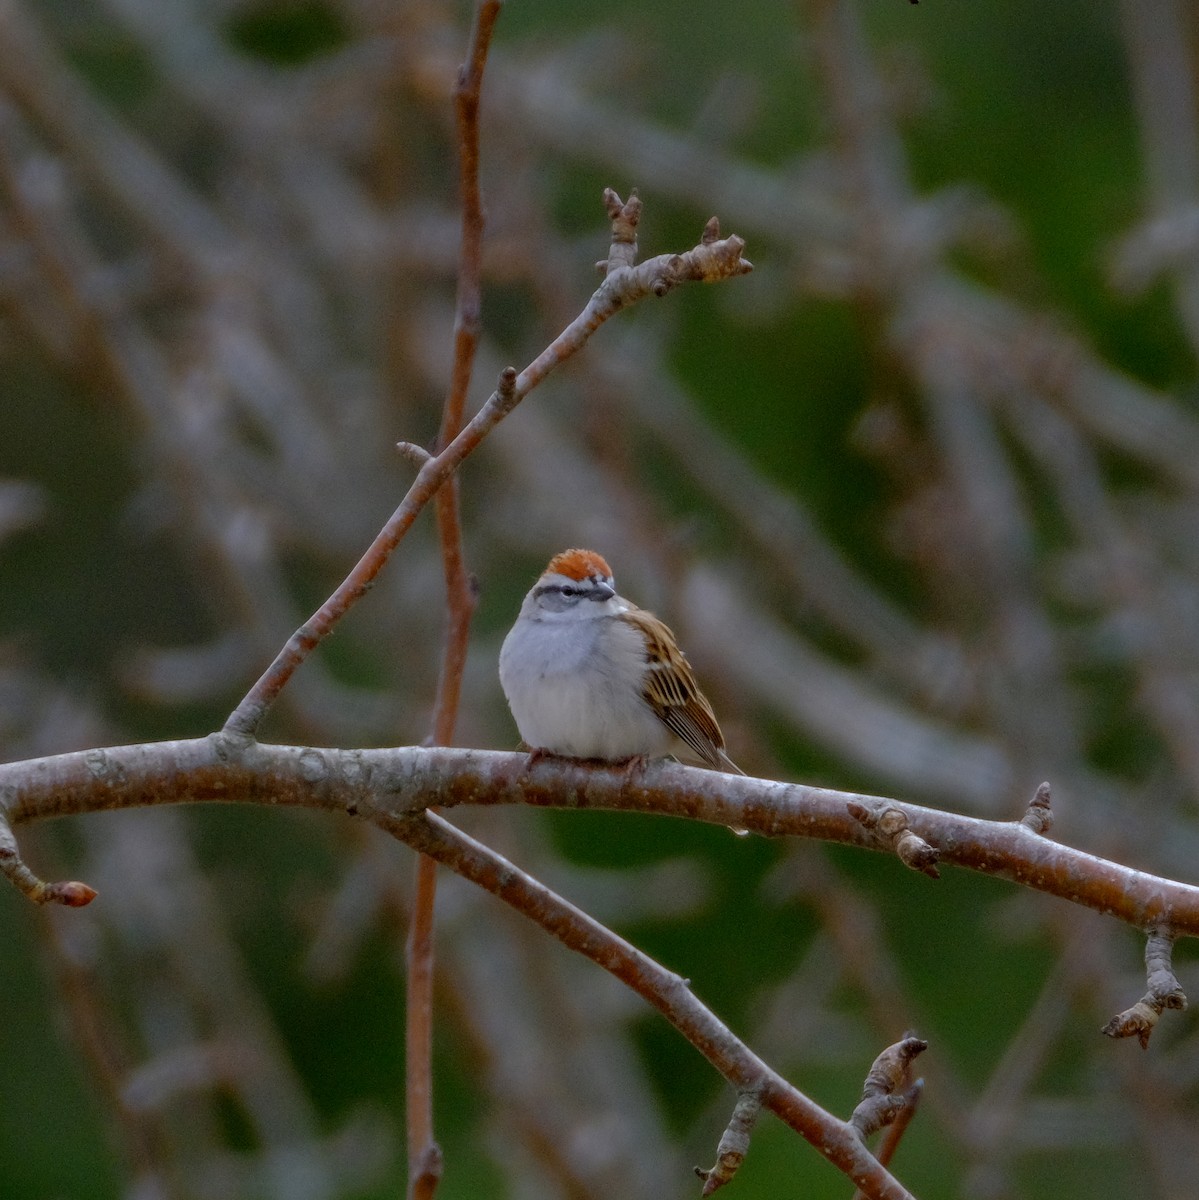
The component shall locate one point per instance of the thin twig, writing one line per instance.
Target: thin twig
(460, 596)
(733, 1145)
(910, 1101)
(713, 259)
(72, 893)
(665, 990)
(425, 1160)
(1164, 992)
(885, 1093)
(424, 1155)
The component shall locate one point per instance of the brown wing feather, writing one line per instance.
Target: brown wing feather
(672, 692)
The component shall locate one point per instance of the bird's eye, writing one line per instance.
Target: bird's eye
(567, 590)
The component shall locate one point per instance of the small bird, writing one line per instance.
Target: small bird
(588, 674)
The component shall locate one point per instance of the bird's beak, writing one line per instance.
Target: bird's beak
(601, 591)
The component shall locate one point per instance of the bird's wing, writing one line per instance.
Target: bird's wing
(672, 692)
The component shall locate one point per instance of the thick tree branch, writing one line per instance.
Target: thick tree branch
(395, 788)
(406, 780)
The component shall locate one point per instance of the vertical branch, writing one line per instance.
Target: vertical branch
(424, 1155)
(459, 592)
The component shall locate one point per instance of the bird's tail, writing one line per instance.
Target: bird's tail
(728, 765)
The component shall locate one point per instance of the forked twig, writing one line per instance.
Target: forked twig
(713, 259)
(837, 1140)
(885, 1093)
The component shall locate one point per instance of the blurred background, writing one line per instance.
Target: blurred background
(920, 497)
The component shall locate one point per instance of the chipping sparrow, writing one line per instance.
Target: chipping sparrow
(588, 674)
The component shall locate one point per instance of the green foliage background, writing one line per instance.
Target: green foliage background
(1027, 101)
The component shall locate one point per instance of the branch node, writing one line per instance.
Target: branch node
(505, 387)
(417, 455)
(887, 1091)
(1138, 1021)
(1164, 992)
(711, 232)
(430, 1167)
(71, 893)
(229, 745)
(889, 826)
(625, 217)
(244, 720)
(734, 1142)
(662, 283)
(1039, 815)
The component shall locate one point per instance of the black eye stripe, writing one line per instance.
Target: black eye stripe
(591, 591)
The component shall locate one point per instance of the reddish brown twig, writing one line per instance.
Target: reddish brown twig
(424, 1155)
(459, 592)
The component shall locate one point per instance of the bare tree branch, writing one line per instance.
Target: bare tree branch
(666, 991)
(424, 1155)
(713, 259)
(407, 780)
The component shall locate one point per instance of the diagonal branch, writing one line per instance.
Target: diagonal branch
(838, 1141)
(713, 259)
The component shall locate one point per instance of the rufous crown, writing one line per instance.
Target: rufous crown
(579, 565)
